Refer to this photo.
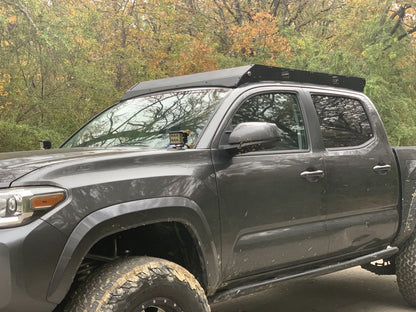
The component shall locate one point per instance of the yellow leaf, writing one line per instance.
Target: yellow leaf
(12, 19)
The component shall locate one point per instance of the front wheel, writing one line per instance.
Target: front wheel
(140, 284)
(406, 270)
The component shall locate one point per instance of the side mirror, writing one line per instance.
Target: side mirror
(253, 136)
(45, 144)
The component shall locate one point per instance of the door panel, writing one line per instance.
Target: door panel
(270, 215)
(361, 204)
(361, 192)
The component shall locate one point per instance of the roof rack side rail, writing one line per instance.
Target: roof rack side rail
(234, 77)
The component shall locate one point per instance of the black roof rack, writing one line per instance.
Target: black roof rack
(234, 77)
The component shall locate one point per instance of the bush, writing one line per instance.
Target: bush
(16, 137)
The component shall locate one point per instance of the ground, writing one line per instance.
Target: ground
(350, 290)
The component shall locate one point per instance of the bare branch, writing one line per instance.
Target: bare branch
(408, 32)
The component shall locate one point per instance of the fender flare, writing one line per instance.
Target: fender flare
(124, 216)
(405, 157)
(408, 221)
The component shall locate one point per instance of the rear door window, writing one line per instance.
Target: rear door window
(343, 121)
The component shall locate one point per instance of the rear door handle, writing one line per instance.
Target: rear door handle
(382, 169)
(312, 176)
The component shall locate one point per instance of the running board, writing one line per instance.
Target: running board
(263, 285)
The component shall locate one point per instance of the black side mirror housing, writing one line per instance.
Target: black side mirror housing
(45, 144)
(253, 136)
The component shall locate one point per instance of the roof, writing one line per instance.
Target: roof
(234, 77)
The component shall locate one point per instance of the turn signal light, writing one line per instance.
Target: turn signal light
(47, 201)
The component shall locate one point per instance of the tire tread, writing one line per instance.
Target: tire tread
(106, 289)
(406, 270)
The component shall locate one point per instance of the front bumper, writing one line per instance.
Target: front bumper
(28, 257)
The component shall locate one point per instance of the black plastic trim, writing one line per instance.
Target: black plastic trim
(234, 77)
(118, 218)
(406, 165)
(263, 285)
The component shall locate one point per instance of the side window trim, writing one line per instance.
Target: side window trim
(354, 147)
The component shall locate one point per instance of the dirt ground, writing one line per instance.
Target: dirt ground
(352, 290)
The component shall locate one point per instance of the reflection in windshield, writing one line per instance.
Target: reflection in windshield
(147, 120)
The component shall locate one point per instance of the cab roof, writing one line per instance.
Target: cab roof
(237, 76)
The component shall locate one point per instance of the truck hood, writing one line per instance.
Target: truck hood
(17, 164)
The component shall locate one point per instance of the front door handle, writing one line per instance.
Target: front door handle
(312, 176)
(382, 169)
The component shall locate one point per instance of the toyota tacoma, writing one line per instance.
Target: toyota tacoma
(196, 189)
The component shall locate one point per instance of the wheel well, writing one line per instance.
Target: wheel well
(167, 240)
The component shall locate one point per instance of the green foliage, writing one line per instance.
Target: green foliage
(15, 137)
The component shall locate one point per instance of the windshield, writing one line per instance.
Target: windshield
(147, 120)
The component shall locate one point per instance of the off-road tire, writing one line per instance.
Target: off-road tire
(139, 284)
(406, 270)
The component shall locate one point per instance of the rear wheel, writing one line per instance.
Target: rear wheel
(406, 270)
(140, 284)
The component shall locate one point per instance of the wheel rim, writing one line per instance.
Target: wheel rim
(158, 305)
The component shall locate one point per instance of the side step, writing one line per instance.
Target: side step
(263, 285)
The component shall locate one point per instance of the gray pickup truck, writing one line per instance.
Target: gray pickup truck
(200, 188)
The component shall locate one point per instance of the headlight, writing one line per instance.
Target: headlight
(21, 205)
